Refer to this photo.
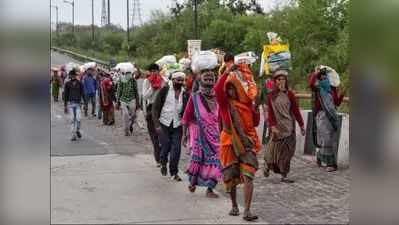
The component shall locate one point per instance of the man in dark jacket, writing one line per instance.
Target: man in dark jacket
(73, 95)
(167, 111)
(90, 88)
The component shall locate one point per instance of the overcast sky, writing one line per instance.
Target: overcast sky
(118, 10)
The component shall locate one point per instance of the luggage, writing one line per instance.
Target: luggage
(126, 67)
(279, 61)
(245, 58)
(204, 60)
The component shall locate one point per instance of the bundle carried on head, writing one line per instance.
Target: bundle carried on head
(332, 75)
(204, 60)
(245, 58)
(71, 66)
(126, 67)
(275, 56)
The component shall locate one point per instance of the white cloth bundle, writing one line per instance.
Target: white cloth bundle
(166, 60)
(245, 58)
(185, 63)
(126, 67)
(204, 60)
(332, 75)
(70, 66)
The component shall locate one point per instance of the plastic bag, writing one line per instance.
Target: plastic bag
(166, 60)
(204, 60)
(246, 58)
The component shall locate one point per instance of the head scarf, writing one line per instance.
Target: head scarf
(206, 90)
(178, 75)
(155, 80)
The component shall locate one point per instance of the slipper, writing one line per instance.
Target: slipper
(249, 217)
(191, 189)
(234, 211)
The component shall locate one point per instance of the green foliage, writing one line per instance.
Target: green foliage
(316, 30)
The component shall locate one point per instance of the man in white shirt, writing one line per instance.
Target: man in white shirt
(167, 111)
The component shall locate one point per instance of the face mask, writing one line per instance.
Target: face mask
(177, 85)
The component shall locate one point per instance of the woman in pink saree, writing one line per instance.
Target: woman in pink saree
(201, 119)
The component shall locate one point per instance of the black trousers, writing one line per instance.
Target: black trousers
(170, 138)
(153, 134)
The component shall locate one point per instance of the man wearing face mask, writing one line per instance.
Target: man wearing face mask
(128, 101)
(167, 111)
(151, 86)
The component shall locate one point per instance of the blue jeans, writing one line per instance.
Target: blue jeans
(92, 99)
(170, 139)
(74, 113)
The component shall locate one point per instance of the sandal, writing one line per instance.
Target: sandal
(266, 172)
(191, 189)
(286, 180)
(234, 211)
(331, 169)
(249, 217)
(211, 194)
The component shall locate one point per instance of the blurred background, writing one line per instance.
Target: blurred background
(26, 28)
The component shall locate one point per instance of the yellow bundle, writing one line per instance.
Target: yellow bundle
(269, 50)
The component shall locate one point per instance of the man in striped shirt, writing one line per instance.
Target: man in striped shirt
(128, 101)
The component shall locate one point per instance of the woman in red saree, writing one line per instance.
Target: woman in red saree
(235, 93)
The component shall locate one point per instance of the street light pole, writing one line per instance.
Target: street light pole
(72, 3)
(92, 21)
(127, 28)
(109, 12)
(196, 19)
(56, 19)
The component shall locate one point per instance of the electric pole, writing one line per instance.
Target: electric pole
(92, 21)
(72, 3)
(127, 28)
(109, 12)
(56, 19)
(196, 19)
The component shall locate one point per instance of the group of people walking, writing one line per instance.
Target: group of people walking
(214, 113)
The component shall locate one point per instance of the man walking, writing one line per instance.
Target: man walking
(167, 111)
(128, 101)
(73, 95)
(90, 88)
(151, 86)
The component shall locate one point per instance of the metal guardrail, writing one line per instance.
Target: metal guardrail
(81, 57)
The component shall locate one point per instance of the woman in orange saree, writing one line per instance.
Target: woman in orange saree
(235, 93)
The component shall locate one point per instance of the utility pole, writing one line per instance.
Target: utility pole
(109, 12)
(73, 13)
(56, 19)
(127, 28)
(92, 22)
(196, 19)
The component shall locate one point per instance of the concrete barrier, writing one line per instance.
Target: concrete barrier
(343, 145)
(81, 57)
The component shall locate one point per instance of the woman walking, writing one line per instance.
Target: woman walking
(201, 120)
(326, 119)
(235, 93)
(283, 110)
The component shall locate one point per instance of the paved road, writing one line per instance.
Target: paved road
(108, 178)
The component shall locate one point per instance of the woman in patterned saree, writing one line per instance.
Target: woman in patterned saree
(201, 119)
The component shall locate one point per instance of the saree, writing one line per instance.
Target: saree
(204, 168)
(239, 140)
(327, 123)
(281, 147)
